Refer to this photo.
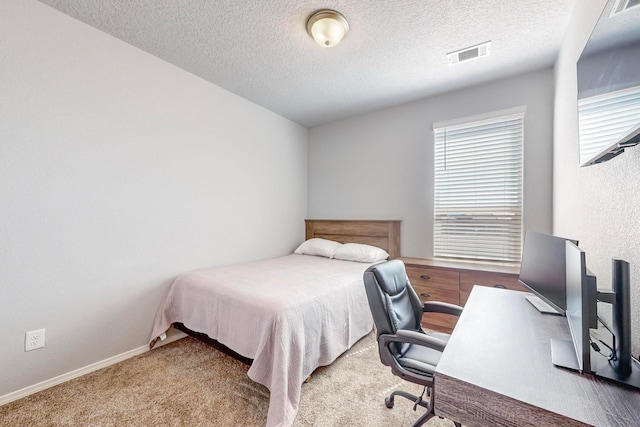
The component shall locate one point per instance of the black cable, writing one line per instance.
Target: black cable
(606, 345)
(597, 349)
(613, 355)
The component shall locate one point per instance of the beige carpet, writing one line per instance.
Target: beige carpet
(187, 383)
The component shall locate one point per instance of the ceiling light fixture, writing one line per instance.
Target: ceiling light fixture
(327, 27)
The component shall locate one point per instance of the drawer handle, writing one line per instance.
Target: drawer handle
(425, 295)
(500, 286)
(425, 277)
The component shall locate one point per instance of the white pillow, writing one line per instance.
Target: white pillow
(360, 253)
(318, 246)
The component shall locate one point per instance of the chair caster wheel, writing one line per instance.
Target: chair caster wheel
(388, 402)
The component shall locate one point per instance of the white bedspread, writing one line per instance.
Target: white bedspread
(290, 314)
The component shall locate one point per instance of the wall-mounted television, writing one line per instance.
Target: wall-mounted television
(609, 84)
(543, 272)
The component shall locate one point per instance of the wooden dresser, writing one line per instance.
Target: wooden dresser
(450, 281)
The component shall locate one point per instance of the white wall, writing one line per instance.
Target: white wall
(380, 165)
(118, 171)
(598, 205)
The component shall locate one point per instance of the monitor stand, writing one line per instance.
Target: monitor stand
(605, 369)
(563, 354)
(541, 306)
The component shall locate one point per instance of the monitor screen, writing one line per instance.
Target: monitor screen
(581, 304)
(542, 268)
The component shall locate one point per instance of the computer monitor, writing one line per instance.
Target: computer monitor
(542, 271)
(581, 305)
(583, 353)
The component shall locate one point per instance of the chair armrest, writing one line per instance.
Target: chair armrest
(412, 337)
(425, 340)
(442, 307)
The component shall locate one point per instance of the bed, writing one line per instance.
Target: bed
(287, 315)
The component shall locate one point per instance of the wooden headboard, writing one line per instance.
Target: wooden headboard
(380, 233)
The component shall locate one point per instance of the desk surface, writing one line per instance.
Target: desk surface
(496, 371)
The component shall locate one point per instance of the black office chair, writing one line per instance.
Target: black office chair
(411, 352)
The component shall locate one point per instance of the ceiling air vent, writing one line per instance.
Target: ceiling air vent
(623, 5)
(473, 52)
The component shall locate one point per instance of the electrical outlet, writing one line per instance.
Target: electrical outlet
(33, 340)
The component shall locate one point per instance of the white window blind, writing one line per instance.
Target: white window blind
(478, 188)
(603, 119)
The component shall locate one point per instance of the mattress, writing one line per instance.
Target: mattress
(290, 315)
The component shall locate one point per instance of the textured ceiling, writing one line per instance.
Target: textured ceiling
(394, 53)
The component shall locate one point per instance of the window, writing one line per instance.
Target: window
(478, 187)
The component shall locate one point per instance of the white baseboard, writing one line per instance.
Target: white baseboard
(32, 389)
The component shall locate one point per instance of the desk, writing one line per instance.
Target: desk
(496, 371)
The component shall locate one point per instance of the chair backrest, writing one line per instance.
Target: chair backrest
(393, 302)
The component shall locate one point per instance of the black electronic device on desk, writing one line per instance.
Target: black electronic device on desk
(543, 272)
(583, 353)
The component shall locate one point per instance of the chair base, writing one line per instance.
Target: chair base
(389, 401)
(428, 405)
